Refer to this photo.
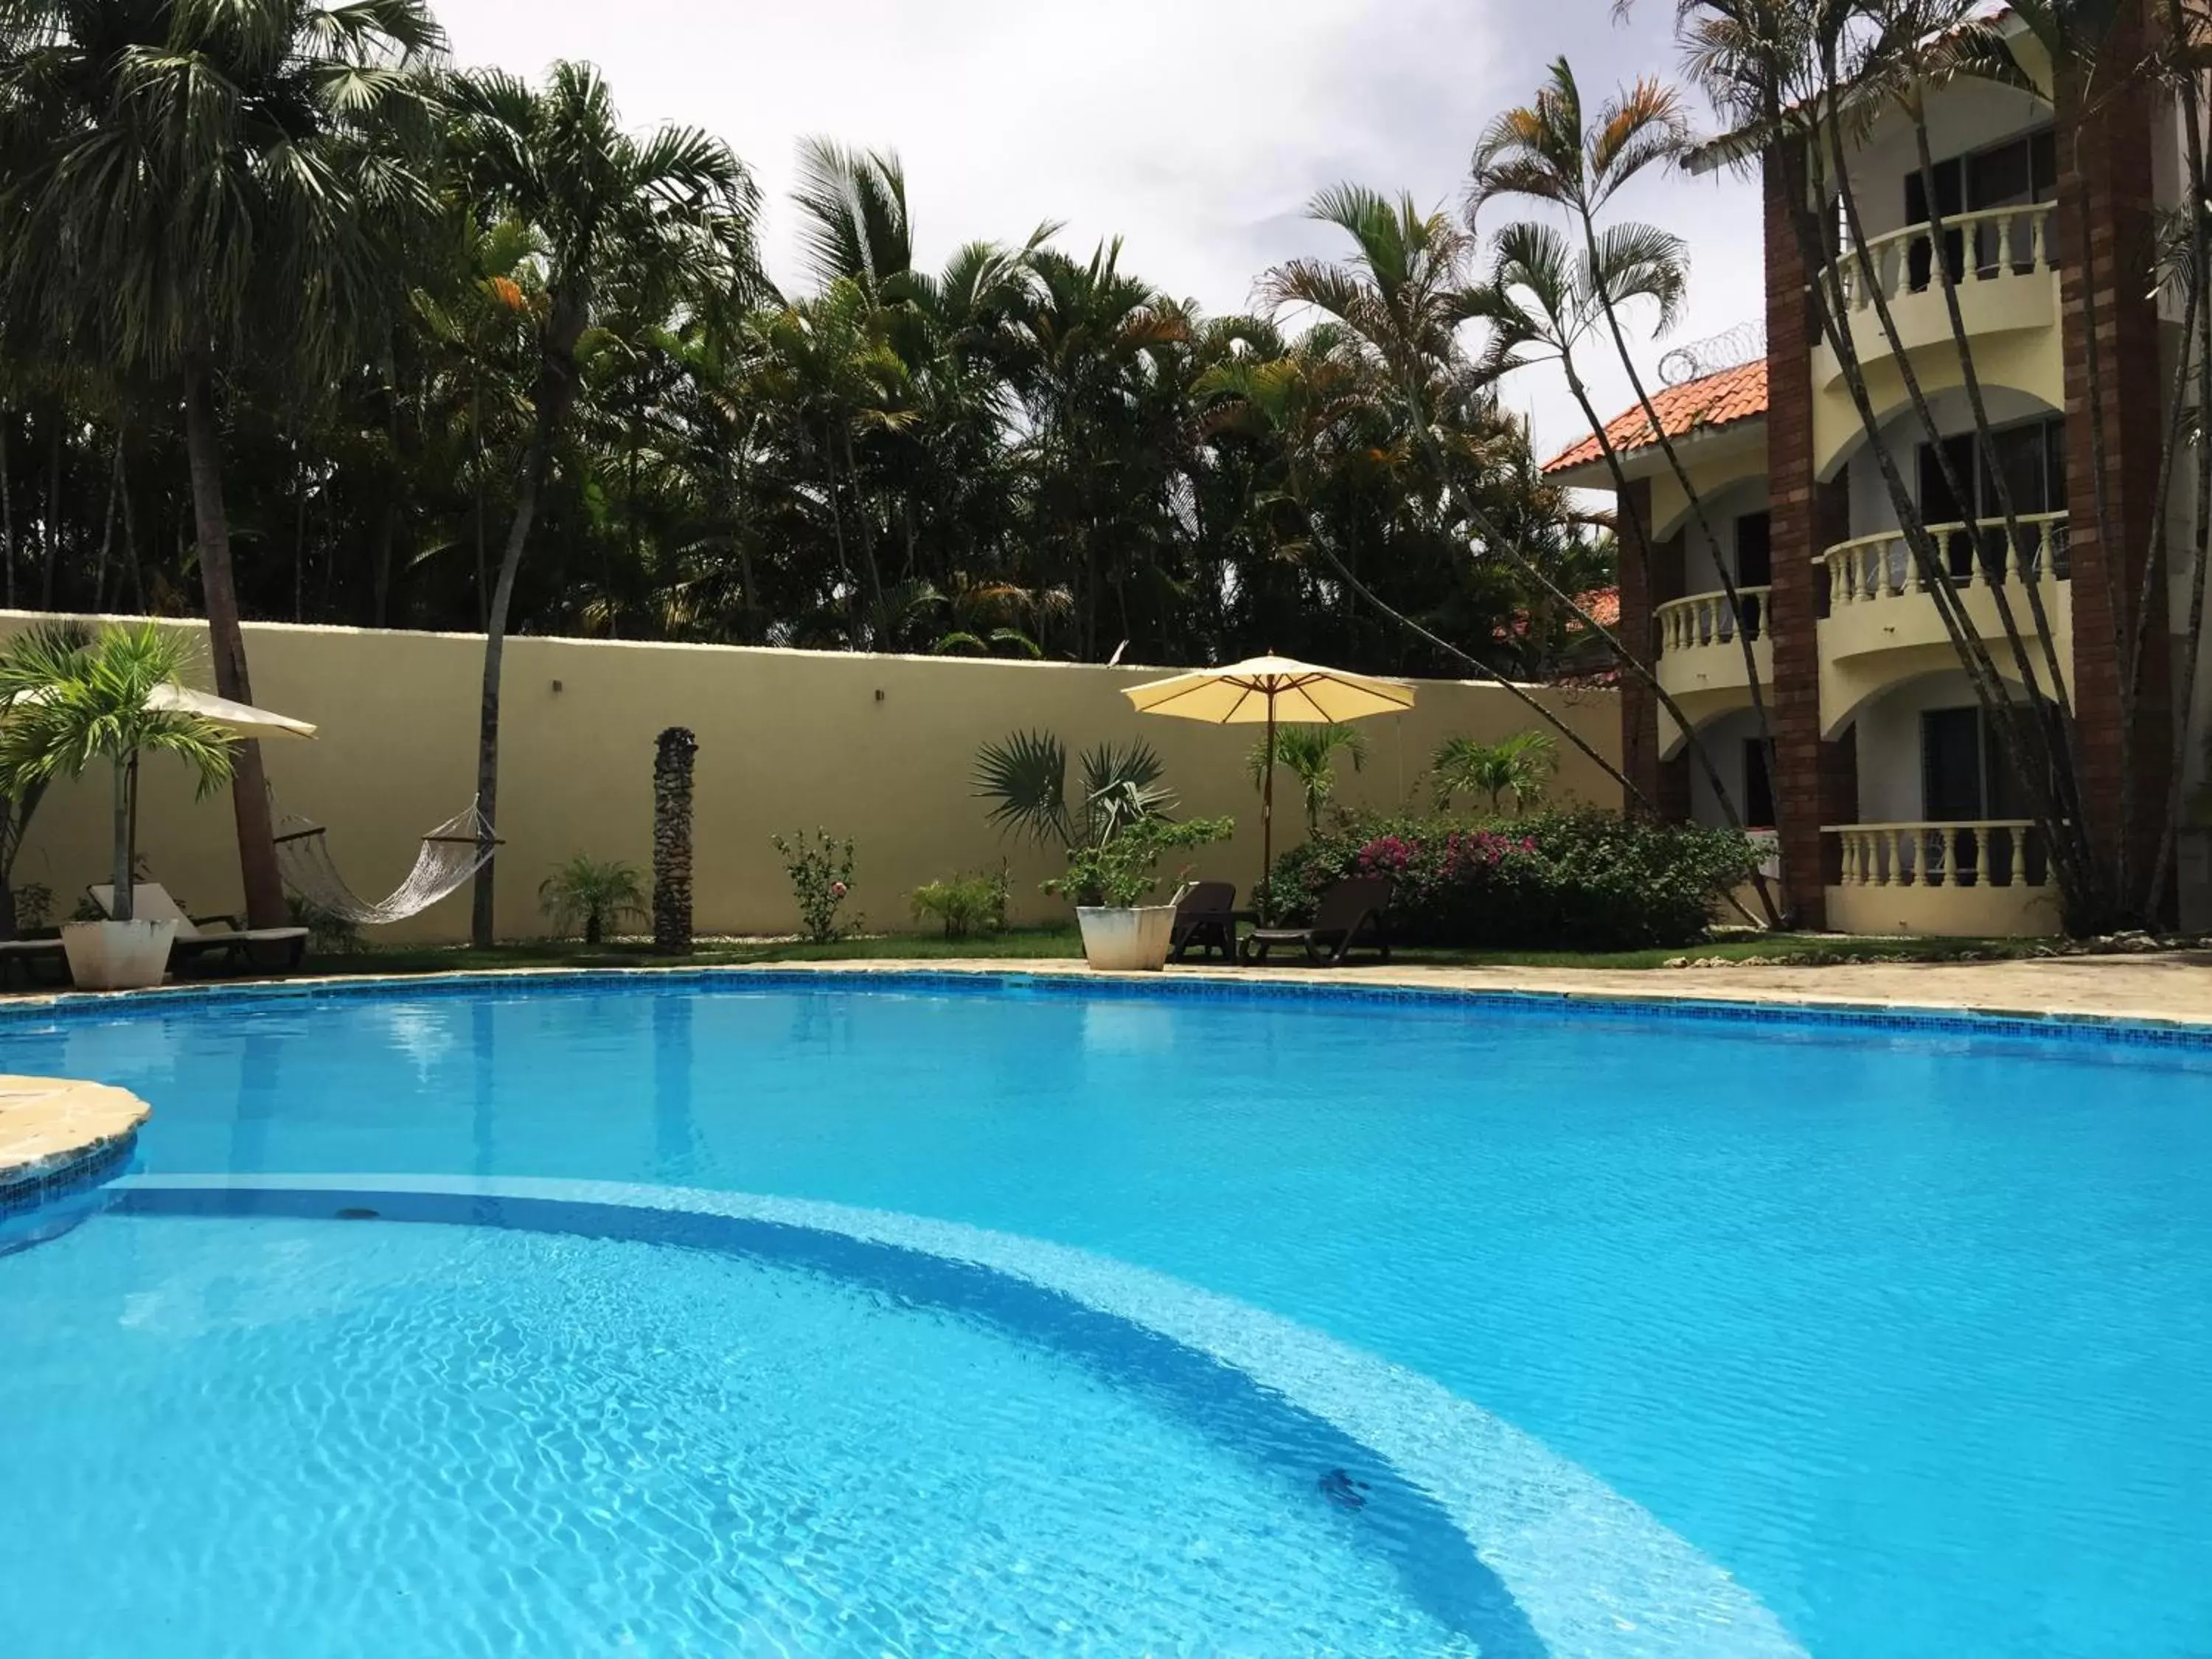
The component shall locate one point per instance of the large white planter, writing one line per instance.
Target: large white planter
(1135, 940)
(117, 956)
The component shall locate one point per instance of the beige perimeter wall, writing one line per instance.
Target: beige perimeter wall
(878, 748)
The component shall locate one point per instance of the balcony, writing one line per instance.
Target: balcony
(1883, 628)
(1701, 658)
(1985, 879)
(2001, 263)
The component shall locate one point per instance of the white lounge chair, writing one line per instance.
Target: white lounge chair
(208, 936)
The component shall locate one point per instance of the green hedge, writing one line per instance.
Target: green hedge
(1570, 879)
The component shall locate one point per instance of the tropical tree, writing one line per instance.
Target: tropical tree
(1309, 754)
(674, 209)
(1518, 766)
(205, 194)
(66, 706)
(1542, 300)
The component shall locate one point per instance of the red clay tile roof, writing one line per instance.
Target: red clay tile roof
(1603, 603)
(1714, 400)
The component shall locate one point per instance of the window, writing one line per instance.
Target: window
(1754, 568)
(1963, 779)
(1757, 787)
(2031, 459)
(2016, 174)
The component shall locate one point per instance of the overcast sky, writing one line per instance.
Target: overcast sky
(1195, 129)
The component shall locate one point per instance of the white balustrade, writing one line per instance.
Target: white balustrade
(1704, 619)
(1882, 566)
(1993, 244)
(1983, 853)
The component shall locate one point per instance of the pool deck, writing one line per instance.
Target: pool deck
(2167, 986)
(2163, 987)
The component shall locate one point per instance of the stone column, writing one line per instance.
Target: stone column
(1806, 517)
(672, 841)
(2104, 225)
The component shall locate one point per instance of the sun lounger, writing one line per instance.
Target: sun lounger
(199, 938)
(26, 955)
(1349, 917)
(1205, 918)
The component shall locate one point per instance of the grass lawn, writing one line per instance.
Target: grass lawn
(1807, 950)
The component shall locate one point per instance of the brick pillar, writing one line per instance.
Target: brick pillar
(2105, 177)
(1639, 709)
(1805, 516)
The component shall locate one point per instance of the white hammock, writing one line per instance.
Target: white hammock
(451, 854)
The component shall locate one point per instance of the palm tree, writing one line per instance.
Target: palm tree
(1309, 754)
(67, 705)
(1516, 766)
(675, 207)
(191, 190)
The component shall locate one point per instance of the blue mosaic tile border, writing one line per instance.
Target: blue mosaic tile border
(1964, 1023)
(47, 1184)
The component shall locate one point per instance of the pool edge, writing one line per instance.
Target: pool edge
(2061, 1025)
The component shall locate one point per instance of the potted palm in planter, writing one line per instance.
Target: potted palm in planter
(66, 706)
(1110, 880)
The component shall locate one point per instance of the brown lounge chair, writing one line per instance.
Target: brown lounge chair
(276, 949)
(1349, 917)
(1206, 916)
(27, 954)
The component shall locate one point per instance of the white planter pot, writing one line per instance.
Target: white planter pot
(117, 956)
(1127, 940)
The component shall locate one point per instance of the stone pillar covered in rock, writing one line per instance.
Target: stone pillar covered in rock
(672, 841)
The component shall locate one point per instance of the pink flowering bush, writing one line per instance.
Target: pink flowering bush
(1570, 879)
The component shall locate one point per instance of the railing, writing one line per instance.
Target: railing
(1986, 852)
(1882, 566)
(1984, 247)
(1709, 619)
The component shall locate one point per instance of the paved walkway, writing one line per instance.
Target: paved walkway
(2176, 985)
(2171, 986)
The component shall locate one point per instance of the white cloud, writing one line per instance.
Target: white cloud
(1196, 129)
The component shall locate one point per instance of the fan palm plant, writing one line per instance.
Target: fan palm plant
(1516, 766)
(1309, 754)
(675, 208)
(67, 705)
(196, 188)
(1025, 777)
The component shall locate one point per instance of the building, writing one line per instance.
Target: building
(1893, 812)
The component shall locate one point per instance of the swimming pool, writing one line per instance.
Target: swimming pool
(1517, 1327)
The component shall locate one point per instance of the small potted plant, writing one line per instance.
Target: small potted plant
(65, 707)
(1110, 880)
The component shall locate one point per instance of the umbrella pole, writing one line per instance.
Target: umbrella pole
(1267, 825)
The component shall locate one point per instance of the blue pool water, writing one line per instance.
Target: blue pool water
(1866, 1342)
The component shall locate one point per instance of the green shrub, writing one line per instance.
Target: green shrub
(34, 905)
(1577, 879)
(1124, 870)
(820, 871)
(965, 904)
(329, 933)
(590, 895)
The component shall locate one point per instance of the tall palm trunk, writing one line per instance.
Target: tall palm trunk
(122, 855)
(555, 390)
(7, 513)
(249, 786)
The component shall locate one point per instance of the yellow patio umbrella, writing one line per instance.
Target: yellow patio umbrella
(240, 719)
(1273, 690)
